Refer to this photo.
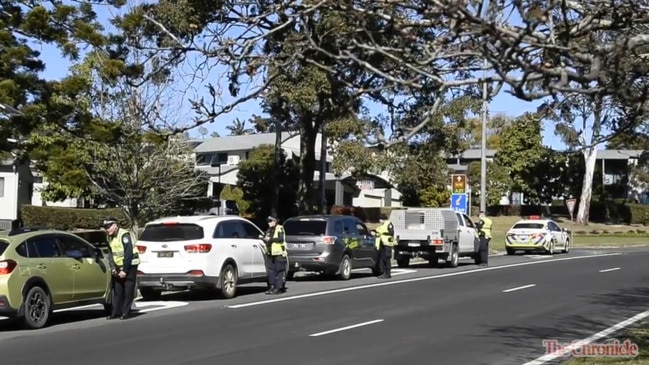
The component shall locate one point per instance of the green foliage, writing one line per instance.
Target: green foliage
(527, 162)
(69, 218)
(255, 179)
(497, 179)
(236, 194)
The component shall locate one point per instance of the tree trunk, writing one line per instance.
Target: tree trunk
(277, 169)
(307, 169)
(590, 157)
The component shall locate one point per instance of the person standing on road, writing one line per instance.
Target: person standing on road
(484, 232)
(385, 242)
(275, 240)
(124, 260)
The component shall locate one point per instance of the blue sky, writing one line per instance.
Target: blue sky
(57, 67)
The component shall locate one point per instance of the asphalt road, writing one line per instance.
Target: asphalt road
(497, 315)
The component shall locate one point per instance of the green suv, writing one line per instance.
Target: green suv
(42, 270)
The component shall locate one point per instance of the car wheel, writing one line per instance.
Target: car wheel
(454, 256)
(345, 270)
(551, 249)
(150, 294)
(290, 275)
(403, 261)
(228, 282)
(510, 251)
(37, 308)
(567, 248)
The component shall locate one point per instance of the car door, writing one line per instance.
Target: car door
(258, 265)
(466, 237)
(353, 240)
(91, 276)
(557, 234)
(474, 243)
(368, 244)
(46, 260)
(228, 234)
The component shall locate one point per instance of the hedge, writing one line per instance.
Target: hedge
(68, 218)
(368, 215)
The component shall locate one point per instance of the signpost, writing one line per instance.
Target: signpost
(570, 203)
(459, 195)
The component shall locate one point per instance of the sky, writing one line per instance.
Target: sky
(57, 68)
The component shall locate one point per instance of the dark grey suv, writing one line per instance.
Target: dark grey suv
(329, 244)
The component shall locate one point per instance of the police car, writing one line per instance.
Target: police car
(536, 234)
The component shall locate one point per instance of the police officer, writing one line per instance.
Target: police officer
(384, 242)
(484, 227)
(124, 260)
(275, 240)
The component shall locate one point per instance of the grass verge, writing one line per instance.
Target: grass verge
(638, 335)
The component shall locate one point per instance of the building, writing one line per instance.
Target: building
(616, 166)
(16, 188)
(220, 157)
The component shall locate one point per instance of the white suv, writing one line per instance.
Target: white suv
(199, 252)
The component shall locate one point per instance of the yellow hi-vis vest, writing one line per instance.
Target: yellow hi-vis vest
(486, 227)
(117, 248)
(277, 248)
(383, 235)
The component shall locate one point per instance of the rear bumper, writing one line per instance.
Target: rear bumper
(330, 262)
(420, 248)
(175, 282)
(5, 307)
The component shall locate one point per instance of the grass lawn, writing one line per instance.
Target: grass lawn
(638, 335)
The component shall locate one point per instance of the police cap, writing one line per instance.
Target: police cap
(271, 219)
(108, 222)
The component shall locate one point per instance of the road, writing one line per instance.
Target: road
(495, 315)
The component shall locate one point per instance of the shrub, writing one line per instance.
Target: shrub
(68, 218)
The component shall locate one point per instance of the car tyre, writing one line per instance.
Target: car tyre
(150, 294)
(37, 308)
(403, 261)
(454, 256)
(228, 281)
(510, 251)
(551, 249)
(290, 275)
(567, 248)
(345, 270)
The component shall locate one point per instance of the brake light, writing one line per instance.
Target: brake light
(328, 240)
(196, 273)
(7, 267)
(141, 249)
(139, 273)
(169, 223)
(199, 248)
(534, 217)
(438, 241)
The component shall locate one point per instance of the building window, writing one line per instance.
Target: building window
(207, 159)
(2, 187)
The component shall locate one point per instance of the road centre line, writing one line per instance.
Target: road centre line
(609, 270)
(519, 288)
(576, 345)
(346, 328)
(412, 280)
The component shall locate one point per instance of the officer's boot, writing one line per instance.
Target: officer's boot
(271, 290)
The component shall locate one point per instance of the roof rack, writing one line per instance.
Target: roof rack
(21, 230)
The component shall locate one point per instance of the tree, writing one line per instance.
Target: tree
(498, 181)
(532, 168)
(255, 179)
(34, 102)
(238, 128)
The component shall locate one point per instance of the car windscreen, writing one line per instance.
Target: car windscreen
(528, 226)
(3, 246)
(299, 227)
(172, 232)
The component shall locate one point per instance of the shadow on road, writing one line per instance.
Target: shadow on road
(59, 318)
(611, 309)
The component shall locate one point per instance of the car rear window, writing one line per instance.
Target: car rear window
(3, 246)
(305, 227)
(172, 232)
(528, 226)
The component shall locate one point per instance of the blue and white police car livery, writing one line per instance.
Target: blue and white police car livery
(536, 234)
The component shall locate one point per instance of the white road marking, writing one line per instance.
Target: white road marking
(519, 288)
(404, 281)
(576, 345)
(402, 272)
(160, 305)
(346, 328)
(609, 270)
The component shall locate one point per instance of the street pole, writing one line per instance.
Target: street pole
(483, 139)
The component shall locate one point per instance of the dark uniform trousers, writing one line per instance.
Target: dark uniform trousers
(124, 292)
(277, 274)
(484, 249)
(385, 257)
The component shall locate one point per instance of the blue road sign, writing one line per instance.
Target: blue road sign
(460, 202)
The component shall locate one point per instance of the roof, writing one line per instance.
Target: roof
(544, 221)
(190, 219)
(475, 154)
(245, 142)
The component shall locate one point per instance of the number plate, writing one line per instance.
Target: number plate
(298, 245)
(413, 244)
(523, 237)
(166, 254)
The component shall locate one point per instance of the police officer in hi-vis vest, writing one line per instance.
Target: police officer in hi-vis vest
(484, 227)
(275, 241)
(385, 242)
(124, 260)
